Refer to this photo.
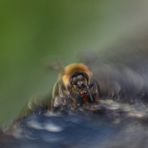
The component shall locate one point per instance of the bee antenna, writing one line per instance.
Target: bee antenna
(56, 66)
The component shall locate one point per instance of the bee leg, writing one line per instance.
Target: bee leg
(58, 104)
(75, 102)
(79, 101)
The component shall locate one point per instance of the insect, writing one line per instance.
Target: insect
(75, 88)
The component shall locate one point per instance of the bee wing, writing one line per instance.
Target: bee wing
(95, 89)
(56, 93)
(60, 95)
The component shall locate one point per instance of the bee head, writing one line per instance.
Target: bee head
(79, 80)
(75, 74)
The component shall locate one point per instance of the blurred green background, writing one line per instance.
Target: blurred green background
(35, 33)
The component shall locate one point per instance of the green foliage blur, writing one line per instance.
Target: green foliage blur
(35, 33)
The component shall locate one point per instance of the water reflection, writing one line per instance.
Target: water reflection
(112, 125)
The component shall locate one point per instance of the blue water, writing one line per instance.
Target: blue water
(77, 130)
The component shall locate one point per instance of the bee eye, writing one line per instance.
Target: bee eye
(74, 80)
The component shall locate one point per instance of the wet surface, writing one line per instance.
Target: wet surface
(113, 125)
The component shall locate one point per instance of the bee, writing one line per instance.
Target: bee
(75, 88)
